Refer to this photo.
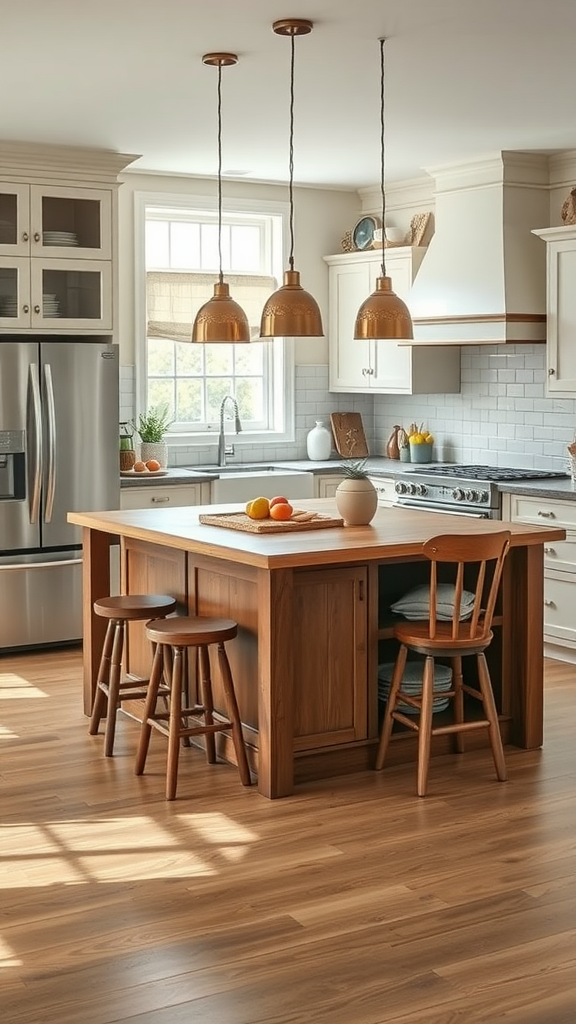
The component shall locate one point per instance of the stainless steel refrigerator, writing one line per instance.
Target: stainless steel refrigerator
(58, 453)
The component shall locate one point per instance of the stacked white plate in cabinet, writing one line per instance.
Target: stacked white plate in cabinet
(50, 306)
(60, 238)
(412, 684)
(9, 307)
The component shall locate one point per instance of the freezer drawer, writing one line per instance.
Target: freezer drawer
(40, 600)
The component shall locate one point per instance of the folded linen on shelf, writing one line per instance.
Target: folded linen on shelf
(415, 605)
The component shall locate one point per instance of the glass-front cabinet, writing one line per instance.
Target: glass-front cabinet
(36, 220)
(55, 257)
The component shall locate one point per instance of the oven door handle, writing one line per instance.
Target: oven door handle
(447, 511)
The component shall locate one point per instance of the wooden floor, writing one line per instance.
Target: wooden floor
(352, 902)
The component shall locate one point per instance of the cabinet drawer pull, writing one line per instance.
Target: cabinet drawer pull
(160, 501)
(550, 604)
(546, 515)
(549, 551)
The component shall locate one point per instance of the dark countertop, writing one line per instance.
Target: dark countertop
(553, 488)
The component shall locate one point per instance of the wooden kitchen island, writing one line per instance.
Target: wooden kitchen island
(314, 624)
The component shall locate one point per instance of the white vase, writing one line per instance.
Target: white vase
(154, 450)
(319, 443)
(356, 501)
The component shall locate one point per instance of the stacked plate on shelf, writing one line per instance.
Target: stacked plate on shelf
(50, 305)
(8, 307)
(59, 238)
(412, 684)
(6, 232)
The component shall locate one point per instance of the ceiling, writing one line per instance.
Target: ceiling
(463, 78)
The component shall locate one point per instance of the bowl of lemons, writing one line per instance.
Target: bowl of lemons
(421, 443)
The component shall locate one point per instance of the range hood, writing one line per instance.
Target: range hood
(483, 278)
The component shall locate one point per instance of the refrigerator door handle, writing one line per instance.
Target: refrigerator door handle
(27, 566)
(51, 425)
(36, 417)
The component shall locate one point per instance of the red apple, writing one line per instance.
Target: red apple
(278, 500)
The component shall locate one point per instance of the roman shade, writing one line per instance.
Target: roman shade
(173, 299)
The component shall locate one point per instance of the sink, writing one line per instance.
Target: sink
(242, 483)
(241, 468)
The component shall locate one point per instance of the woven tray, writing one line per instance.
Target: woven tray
(240, 521)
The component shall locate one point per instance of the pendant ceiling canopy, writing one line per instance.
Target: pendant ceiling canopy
(291, 311)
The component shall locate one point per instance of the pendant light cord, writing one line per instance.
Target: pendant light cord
(291, 154)
(382, 162)
(221, 277)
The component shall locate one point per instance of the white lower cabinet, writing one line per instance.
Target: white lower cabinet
(151, 496)
(559, 568)
(325, 484)
(386, 490)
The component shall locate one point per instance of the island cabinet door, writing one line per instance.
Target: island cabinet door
(330, 644)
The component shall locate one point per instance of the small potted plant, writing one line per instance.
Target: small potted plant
(151, 428)
(356, 497)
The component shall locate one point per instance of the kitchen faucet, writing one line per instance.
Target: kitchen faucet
(237, 426)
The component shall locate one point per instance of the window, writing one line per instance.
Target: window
(179, 243)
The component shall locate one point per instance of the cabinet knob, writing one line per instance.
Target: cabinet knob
(551, 371)
(36, 236)
(549, 551)
(550, 604)
(36, 309)
(25, 236)
(25, 309)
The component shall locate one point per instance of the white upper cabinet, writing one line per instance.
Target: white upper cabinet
(57, 238)
(561, 309)
(381, 367)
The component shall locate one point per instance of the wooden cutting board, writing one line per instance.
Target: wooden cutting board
(240, 521)
(349, 436)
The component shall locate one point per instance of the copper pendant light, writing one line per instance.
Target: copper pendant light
(383, 315)
(290, 311)
(221, 319)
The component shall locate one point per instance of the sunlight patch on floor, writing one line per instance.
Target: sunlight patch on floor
(12, 686)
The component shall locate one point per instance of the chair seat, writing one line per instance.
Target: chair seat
(192, 631)
(134, 606)
(416, 636)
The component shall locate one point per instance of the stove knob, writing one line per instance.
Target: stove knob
(458, 494)
(400, 488)
(484, 496)
(413, 489)
(471, 495)
(421, 489)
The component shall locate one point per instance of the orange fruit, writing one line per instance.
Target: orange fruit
(279, 499)
(139, 467)
(153, 465)
(258, 508)
(281, 511)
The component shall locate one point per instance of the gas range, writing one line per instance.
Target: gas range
(464, 490)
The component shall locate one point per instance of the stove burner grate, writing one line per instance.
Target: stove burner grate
(489, 473)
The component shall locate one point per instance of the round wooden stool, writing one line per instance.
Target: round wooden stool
(172, 637)
(111, 689)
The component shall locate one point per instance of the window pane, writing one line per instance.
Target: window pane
(250, 398)
(189, 401)
(157, 248)
(210, 255)
(249, 359)
(184, 246)
(216, 391)
(219, 360)
(161, 392)
(245, 248)
(189, 359)
(160, 357)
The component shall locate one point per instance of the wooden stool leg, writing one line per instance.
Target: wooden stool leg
(99, 706)
(457, 681)
(234, 715)
(390, 705)
(175, 724)
(149, 709)
(207, 700)
(425, 726)
(114, 688)
(492, 716)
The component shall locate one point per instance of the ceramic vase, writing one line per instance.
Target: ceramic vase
(356, 501)
(319, 443)
(155, 450)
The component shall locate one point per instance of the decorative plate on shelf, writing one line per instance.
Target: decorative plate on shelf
(363, 233)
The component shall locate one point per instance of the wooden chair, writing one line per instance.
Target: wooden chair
(455, 640)
(111, 689)
(172, 637)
